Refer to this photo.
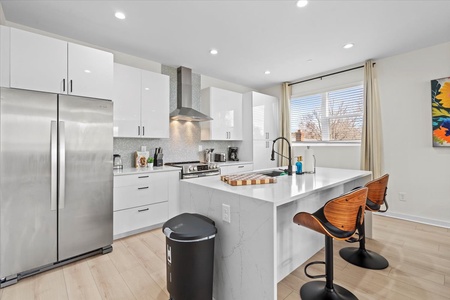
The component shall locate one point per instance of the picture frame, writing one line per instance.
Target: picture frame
(440, 106)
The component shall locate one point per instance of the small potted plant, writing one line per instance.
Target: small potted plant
(150, 162)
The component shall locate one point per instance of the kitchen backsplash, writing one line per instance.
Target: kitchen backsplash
(184, 136)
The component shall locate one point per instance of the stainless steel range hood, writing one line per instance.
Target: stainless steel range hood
(184, 109)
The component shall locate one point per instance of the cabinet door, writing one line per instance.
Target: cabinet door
(37, 62)
(235, 169)
(225, 107)
(261, 155)
(90, 72)
(155, 100)
(271, 117)
(265, 117)
(127, 101)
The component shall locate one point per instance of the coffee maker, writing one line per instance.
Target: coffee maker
(232, 154)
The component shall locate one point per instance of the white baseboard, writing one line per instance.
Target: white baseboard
(416, 219)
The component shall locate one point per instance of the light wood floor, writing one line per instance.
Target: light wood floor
(419, 257)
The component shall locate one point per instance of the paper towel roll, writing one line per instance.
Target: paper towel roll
(308, 164)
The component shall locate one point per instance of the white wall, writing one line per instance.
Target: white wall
(332, 156)
(415, 167)
(207, 81)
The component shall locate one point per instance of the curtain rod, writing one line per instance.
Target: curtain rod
(320, 77)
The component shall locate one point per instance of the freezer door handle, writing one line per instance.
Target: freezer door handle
(62, 164)
(53, 164)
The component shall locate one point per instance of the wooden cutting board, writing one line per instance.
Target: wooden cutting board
(247, 179)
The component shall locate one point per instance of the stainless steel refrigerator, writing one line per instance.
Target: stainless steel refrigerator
(56, 181)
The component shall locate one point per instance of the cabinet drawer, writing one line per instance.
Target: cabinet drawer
(135, 179)
(225, 170)
(140, 217)
(132, 196)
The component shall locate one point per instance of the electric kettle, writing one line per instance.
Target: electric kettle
(117, 162)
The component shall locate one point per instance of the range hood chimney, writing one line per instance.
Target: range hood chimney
(184, 110)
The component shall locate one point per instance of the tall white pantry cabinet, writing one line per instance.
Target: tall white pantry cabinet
(260, 129)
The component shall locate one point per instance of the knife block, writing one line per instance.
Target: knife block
(158, 160)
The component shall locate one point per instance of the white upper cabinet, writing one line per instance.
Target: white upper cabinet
(141, 103)
(37, 62)
(47, 64)
(225, 107)
(127, 101)
(155, 97)
(90, 72)
(265, 117)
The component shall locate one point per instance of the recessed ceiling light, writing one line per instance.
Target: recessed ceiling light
(213, 51)
(302, 3)
(120, 15)
(87, 71)
(267, 72)
(348, 46)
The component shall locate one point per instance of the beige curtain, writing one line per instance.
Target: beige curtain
(285, 128)
(371, 142)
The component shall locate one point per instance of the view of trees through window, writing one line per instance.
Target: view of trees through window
(332, 116)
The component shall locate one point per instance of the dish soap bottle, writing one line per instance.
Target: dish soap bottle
(299, 165)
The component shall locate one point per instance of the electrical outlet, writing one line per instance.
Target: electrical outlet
(226, 213)
(402, 196)
(200, 148)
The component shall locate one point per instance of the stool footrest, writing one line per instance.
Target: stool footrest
(314, 263)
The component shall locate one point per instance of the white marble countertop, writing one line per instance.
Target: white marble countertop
(130, 171)
(287, 188)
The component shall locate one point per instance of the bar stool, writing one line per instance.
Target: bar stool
(337, 219)
(376, 197)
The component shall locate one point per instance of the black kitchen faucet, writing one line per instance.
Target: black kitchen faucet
(272, 156)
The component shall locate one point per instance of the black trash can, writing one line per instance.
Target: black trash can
(190, 256)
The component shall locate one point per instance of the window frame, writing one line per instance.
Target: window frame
(324, 111)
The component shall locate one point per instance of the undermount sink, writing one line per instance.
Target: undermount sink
(273, 173)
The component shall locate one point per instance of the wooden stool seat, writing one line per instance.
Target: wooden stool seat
(337, 219)
(376, 198)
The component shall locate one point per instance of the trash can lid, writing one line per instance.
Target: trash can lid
(189, 227)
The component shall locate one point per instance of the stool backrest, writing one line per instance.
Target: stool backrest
(377, 189)
(346, 211)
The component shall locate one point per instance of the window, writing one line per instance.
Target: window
(332, 116)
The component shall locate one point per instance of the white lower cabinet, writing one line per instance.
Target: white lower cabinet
(236, 168)
(133, 219)
(142, 201)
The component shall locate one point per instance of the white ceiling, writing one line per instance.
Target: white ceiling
(251, 36)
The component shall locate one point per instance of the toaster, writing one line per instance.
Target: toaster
(219, 157)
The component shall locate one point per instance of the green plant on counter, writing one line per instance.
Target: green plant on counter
(150, 160)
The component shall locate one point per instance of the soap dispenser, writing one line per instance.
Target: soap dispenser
(299, 165)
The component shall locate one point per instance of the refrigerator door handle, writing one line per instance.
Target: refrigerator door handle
(62, 164)
(53, 164)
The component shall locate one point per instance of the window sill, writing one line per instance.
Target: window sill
(312, 144)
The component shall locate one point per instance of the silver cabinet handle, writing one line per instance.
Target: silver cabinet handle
(143, 188)
(62, 164)
(141, 210)
(71, 86)
(64, 84)
(53, 164)
(143, 130)
(139, 130)
(240, 167)
(143, 176)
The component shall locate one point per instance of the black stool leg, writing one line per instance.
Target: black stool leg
(362, 257)
(319, 290)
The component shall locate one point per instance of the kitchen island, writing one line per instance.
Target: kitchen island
(261, 245)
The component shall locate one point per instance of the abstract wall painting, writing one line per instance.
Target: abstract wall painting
(440, 105)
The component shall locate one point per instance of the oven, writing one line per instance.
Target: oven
(195, 169)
